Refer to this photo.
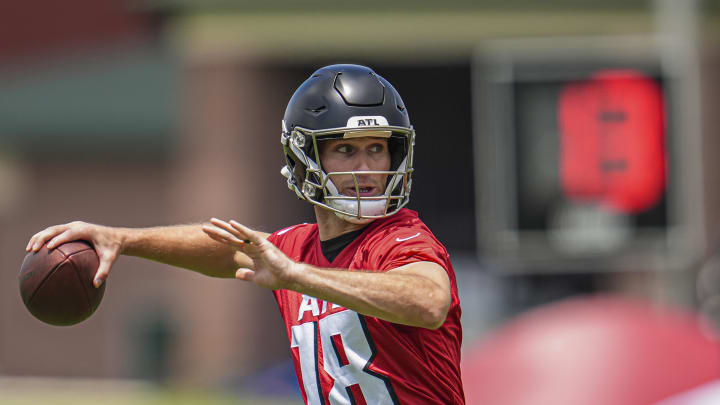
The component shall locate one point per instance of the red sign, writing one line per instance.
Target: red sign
(611, 140)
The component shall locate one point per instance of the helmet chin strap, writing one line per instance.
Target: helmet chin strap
(374, 207)
(351, 207)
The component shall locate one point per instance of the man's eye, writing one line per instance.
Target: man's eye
(343, 149)
(376, 148)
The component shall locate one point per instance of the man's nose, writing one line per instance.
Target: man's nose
(364, 162)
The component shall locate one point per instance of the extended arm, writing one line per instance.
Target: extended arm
(184, 246)
(417, 294)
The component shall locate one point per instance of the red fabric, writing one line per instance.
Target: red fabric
(412, 365)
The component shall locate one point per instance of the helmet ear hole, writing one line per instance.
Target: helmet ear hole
(299, 171)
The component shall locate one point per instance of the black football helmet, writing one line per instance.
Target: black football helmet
(347, 101)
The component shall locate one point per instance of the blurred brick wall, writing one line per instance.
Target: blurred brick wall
(226, 165)
(34, 27)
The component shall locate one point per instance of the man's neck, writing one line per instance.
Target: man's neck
(331, 226)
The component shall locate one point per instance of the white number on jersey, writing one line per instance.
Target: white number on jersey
(347, 354)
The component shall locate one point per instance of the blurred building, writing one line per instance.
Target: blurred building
(150, 113)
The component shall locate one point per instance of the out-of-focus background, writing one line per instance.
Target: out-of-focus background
(566, 155)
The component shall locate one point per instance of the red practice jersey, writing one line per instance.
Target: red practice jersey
(342, 357)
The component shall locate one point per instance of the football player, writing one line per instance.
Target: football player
(367, 293)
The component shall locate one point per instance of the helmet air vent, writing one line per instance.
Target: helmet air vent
(316, 110)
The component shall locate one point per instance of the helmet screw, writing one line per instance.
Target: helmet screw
(298, 139)
(308, 189)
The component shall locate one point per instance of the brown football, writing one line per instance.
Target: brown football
(56, 285)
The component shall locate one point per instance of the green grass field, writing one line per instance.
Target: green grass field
(29, 391)
(146, 398)
(134, 398)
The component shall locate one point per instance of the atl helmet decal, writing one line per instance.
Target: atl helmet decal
(361, 122)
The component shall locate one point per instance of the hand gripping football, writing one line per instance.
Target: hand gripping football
(56, 285)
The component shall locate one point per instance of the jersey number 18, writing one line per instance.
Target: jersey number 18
(347, 353)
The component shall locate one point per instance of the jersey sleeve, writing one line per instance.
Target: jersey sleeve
(275, 237)
(407, 246)
(291, 239)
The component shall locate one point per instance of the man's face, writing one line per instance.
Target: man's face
(356, 154)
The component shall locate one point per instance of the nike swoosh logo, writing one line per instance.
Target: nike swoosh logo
(408, 238)
(285, 230)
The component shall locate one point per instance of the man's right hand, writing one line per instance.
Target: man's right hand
(107, 242)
